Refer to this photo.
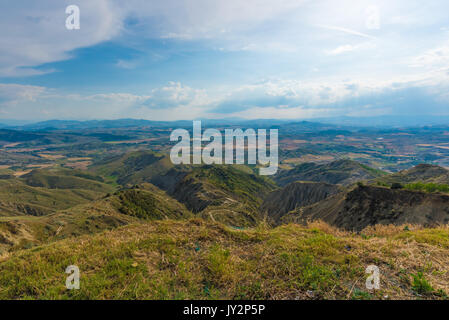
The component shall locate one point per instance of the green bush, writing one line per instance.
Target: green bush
(428, 187)
(137, 204)
(421, 285)
(397, 185)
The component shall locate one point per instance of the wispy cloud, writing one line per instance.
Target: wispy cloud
(37, 34)
(432, 58)
(348, 31)
(292, 99)
(341, 49)
(126, 64)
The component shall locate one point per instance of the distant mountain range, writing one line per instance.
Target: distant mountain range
(388, 121)
(378, 121)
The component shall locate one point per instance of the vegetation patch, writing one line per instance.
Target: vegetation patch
(196, 259)
(427, 187)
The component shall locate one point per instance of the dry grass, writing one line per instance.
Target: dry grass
(195, 259)
(20, 173)
(80, 165)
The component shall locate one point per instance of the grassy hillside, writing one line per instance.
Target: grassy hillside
(293, 196)
(199, 232)
(344, 172)
(427, 187)
(134, 167)
(65, 179)
(18, 198)
(148, 202)
(202, 260)
(143, 202)
(362, 206)
(20, 232)
(223, 193)
(424, 173)
(238, 182)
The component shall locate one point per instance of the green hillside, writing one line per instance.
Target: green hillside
(65, 179)
(17, 198)
(344, 172)
(148, 202)
(223, 193)
(134, 167)
(423, 173)
(142, 202)
(201, 260)
(141, 228)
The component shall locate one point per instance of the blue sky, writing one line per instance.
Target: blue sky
(187, 59)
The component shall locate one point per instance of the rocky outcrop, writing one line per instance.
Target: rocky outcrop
(369, 205)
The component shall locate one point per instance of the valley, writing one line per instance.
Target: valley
(105, 196)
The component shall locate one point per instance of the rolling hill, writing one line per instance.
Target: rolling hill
(18, 198)
(223, 193)
(134, 167)
(344, 172)
(295, 195)
(141, 228)
(142, 202)
(363, 206)
(148, 202)
(426, 173)
(65, 179)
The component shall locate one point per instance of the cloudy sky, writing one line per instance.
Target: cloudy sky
(187, 59)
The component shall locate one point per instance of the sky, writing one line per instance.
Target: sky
(216, 59)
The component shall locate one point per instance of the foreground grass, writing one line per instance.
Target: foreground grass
(195, 259)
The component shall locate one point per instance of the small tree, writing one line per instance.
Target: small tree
(397, 185)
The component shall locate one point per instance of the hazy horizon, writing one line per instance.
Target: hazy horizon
(377, 121)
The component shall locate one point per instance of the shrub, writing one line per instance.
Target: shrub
(427, 187)
(421, 285)
(397, 185)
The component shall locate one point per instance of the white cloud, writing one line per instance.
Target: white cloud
(188, 19)
(279, 113)
(173, 101)
(278, 33)
(277, 98)
(175, 95)
(12, 93)
(341, 49)
(350, 48)
(126, 64)
(35, 34)
(37, 103)
(437, 57)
